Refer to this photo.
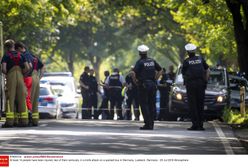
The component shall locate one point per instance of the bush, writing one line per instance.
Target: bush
(233, 116)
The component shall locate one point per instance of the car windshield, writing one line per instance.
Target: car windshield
(216, 77)
(62, 81)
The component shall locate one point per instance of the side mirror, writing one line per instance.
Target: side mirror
(78, 91)
(77, 96)
(60, 95)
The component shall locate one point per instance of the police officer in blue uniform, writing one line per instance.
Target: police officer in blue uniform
(195, 72)
(145, 74)
(93, 89)
(132, 98)
(105, 98)
(85, 91)
(163, 88)
(115, 83)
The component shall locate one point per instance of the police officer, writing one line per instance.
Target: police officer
(38, 69)
(105, 98)
(115, 83)
(132, 98)
(20, 47)
(13, 66)
(145, 73)
(84, 83)
(195, 74)
(164, 96)
(93, 89)
(171, 74)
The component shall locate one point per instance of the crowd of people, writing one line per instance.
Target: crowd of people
(138, 89)
(23, 71)
(120, 95)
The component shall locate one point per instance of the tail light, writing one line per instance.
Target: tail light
(49, 99)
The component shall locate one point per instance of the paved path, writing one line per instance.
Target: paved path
(118, 137)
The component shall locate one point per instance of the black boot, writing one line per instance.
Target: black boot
(30, 123)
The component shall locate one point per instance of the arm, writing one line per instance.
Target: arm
(158, 74)
(133, 75)
(83, 85)
(26, 68)
(4, 68)
(42, 70)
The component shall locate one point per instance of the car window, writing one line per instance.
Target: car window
(216, 77)
(236, 83)
(44, 91)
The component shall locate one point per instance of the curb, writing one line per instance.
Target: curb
(241, 133)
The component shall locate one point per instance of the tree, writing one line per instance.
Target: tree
(239, 11)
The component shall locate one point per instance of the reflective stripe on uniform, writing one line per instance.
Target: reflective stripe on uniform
(10, 115)
(35, 115)
(24, 115)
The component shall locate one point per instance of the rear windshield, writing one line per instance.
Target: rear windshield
(44, 91)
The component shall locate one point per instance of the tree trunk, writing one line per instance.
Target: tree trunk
(70, 61)
(241, 31)
(96, 62)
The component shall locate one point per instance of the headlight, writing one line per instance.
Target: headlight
(179, 96)
(220, 99)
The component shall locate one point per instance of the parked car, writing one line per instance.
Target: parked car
(235, 83)
(48, 102)
(69, 105)
(217, 95)
(66, 82)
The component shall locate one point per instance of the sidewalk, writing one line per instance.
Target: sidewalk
(242, 134)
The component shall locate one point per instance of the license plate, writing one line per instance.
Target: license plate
(205, 107)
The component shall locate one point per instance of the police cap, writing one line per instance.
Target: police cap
(190, 47)
(143, 48)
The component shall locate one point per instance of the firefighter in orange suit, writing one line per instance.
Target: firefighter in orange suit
(38, 69)
(13, 66)
(20, 47)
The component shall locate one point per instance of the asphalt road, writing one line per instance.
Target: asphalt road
(86, 137)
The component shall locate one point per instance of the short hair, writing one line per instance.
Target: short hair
(116, 70)
(106, 73)
(19, 45)
(86, 68)
(8, 44)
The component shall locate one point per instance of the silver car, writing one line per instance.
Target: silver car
(48, 102)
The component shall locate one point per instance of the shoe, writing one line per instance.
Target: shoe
(146, 128)
(193, 128)
(201, 129)
(7, 126)
(30, 124)
(35, 125)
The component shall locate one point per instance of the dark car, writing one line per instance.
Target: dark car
(217, 95)
(235, 83)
